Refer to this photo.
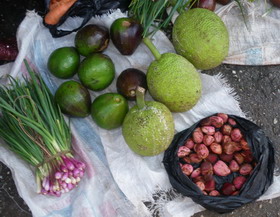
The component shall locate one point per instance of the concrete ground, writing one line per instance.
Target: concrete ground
(258, 88)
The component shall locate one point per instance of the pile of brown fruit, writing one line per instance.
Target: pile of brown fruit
(217, 148)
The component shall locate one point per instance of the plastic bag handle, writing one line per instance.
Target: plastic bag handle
(60, 32)
(88, 11)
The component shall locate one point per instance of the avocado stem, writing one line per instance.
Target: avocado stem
(147, 41)
(140, 97)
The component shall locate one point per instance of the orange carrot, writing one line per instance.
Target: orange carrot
(57, 9)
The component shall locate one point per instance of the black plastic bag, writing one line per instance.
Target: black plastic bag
(86, 9)
(256, 184)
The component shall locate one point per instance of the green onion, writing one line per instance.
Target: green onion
(33, 127)
(150, 13)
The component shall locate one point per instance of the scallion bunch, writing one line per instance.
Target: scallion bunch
(33, 127)
(151, 13)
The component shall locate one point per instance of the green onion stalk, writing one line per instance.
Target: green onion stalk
(32, 126)
(152, 16)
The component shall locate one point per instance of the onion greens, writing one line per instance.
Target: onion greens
(33, 127)
(152, 17)
(150, 13)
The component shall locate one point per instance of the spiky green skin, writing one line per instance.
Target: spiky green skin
(148, 131)
(173, 81)
(202, 37)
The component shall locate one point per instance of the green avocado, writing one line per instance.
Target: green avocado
(91, 39)
(97, 71)
(73, 99)
(108, 110)
(64, 62)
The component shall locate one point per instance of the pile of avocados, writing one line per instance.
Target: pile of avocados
(147, 127)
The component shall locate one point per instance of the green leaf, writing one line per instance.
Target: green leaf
(151, 14)
(31, 123)
(242, 9)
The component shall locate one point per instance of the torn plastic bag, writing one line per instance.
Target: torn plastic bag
(85, 9)
(256, 184)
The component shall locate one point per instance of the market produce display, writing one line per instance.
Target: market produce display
(33, 127)
(220, 157)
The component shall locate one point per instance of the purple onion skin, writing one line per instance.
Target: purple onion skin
(66, 177)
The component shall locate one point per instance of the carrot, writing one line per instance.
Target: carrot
(57, 9)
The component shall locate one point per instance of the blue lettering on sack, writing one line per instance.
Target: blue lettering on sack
(254, 56)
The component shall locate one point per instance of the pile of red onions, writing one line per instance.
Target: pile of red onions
(64, 177)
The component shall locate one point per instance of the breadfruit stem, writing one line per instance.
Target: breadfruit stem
(140, 97)
(147, 41)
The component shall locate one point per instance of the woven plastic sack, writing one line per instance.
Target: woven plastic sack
(257, 42)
